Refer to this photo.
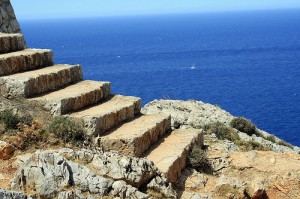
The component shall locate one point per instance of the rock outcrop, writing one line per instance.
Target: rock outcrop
(50, 174)
(6, 150)
(5, 194)
(197, 114)
(8, 21)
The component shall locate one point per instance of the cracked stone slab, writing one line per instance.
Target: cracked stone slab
(135, 137)
(170, 152)
(31, 83)
(11, 42)
(74, 97)
(25, 60)
(105, 115)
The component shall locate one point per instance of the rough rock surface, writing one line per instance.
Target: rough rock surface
(245, 172)
(196, 114)
(48, 173)
(8, 21)
(5, 194)
(187, 114)
(6, 150)
(70, 173)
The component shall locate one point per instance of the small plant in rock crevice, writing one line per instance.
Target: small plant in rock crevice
(198, 160)
(9, 119)
(222, 131)
(67, 130)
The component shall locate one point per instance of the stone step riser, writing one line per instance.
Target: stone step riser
(11, 63)
(11, 43)
(15, 86)
(170, 153)
(136, 146)
(66, 105)
(96, 125)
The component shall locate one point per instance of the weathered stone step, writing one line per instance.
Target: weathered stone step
(11, 43)
(74, 97)
(170, 153)
(103, 116)
(25, 60)
(135, 137)
(30, 83)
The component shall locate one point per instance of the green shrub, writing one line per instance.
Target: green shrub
(271, 138)
(222, 131)
(67, 130)
(26, 119)
(198, 160)
(252, 145)
(243, 125)
(9, 119)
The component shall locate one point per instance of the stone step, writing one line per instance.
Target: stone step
(11, 42)
(25, 60)
(103, 116)
(74, 97)
(135, 137)
(30, 83)
(169, 154)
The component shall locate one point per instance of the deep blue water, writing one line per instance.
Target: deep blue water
(248, 63)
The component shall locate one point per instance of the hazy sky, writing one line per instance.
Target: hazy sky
(40, 9)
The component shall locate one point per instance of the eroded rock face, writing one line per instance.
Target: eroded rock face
(134, 171)
(8, 21)
(69, 174)
(49, 174)
(6, 150)
(187, 114)
(5, 194)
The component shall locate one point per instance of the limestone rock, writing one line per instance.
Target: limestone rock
(8, 18)
(187, 114)
(160, 188)
(135, 171)
(122, 190)
(48, 173)
(196, 114)
(5, 194)
(73, 194)
(6, 150)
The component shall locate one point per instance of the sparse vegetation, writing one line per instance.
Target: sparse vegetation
(252, 145)
(283, 143)
(198, 160)
(67, 130)
(271, 138)
(243, 125)
(9, 119)
(26, 119)
(222, 131)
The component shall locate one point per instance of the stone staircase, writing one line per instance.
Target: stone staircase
(115, 120)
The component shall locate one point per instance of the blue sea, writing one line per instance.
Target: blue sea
(246, 62)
